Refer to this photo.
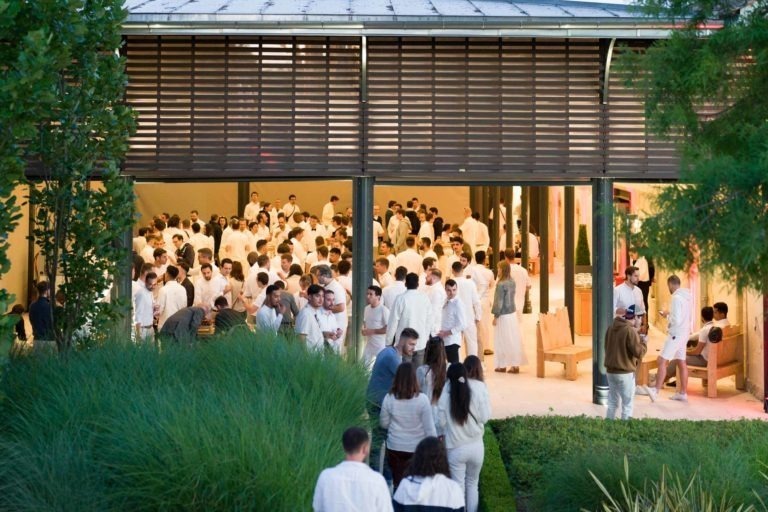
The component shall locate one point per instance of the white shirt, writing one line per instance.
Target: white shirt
(307, 324)
(239, 243)
(351, 487)
(339, 297)
(625, 296)
(251, 211)
(143, 313)
(378, 233)
(310, 234)
(483, 239)
(268, 319)
(327, 216)
(642, 268)
(467, 294)
(426, 230)
(483, 279)
(206, 292)
(411, 260)
(200, 241)
(411, 309)
(472, 430)
(280, 235)
(289, 210)
(407, 421)
(679, 319)
(172, 298)
(299, 253)
(453, 320)
(469, 231)
(391, 292)
(147, 253)
(522, 282)
(375, 318)
(385, 279)
(437, 298)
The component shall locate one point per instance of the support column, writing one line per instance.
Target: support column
(494, 228)
(362, 268)
(570, 263)
(122, 286)
(544, 249)
(524, 229)
(602, 283)
(509, 231)
(243, 196)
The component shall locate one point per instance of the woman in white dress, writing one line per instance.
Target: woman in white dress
(508, 348)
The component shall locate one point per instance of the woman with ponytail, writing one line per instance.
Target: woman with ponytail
(463, 410)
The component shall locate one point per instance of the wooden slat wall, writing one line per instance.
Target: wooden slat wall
(232, 107)
(228, 107)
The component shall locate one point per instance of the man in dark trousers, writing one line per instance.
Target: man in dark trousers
(41, 314)
(624, 349)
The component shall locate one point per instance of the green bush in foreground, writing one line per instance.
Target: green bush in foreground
(496, 493)
(549, 459)
(237, 424)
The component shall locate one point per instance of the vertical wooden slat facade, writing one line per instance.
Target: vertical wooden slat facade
(236, 107)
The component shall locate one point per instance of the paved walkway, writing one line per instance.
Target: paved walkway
(525, 394)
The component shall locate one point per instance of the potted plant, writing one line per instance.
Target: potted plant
(583, 261)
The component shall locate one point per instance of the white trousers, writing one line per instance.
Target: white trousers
(470, 338)
(621, 388)
(466, 461)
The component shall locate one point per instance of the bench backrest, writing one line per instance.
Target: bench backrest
(553, 330)
(730, 349)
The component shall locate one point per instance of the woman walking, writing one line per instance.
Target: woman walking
(428, 484)
(407, 415)
(508, 341)
(463, 410)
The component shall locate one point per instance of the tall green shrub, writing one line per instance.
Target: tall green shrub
(582, 247)
(237, 424)
(64, 55)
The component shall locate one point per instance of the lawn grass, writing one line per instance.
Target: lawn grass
(235, 424)
(549, 458)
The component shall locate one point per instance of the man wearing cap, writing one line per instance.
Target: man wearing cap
(624, 349)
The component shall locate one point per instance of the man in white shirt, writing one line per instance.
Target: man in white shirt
(339, 308)
(270, 314)
(331, 331)
(522, 282)
(143, 308)
(720, 314)
(483, 239)
(467, 294)
(628, 294)
(381, 272)
(252, 209)
(678, 330)
(240, 243)
(374, 324)
(410, 258)
(194, 218)
(378, 234)
(426, 249)
(290, 209)
(436, 293)
(385, 250)
(352, 486)
(453, 322)
(411, 309)
(313, 231)
(394, 290)
(296, 236)
(171, 298)
(280, 232)
(307, 321)
(153, 242)
(199, 241)
(426, 230)
(209, 288)
(485, 283)
(160, 263)
(329, 210)
(469, 229)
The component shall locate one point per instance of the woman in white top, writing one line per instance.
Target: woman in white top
(463, 409)
(407, 415)
(428, 484)
(431, 375)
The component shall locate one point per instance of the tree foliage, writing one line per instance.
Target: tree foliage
(63, 78)
(710, 91)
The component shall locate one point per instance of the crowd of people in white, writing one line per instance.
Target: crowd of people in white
(279, 267)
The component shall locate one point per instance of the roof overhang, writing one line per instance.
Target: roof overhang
(398, 26)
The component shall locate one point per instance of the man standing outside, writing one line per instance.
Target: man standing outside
(628, 294)
(374, 324)
(41, 314)
(411, 310)
(678, 329)
(473, 312)
(143, 308)
(453, 323)
(352, 486)
(270, 315)
(339, 308)
(307, 323)
(253, 208)
(624, 349)
(329, 210)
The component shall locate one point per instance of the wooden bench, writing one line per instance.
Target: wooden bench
(553, 343)
(649, 362)
(724, 359)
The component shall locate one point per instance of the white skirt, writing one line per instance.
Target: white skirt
(508, 343)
